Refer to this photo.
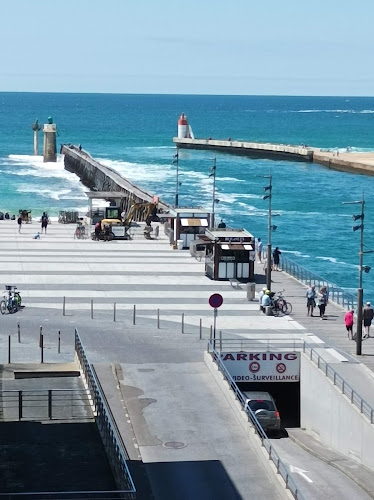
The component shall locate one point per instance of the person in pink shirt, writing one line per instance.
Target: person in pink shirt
(348, 320)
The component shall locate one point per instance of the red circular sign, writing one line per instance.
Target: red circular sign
(254, 367)
(281, 368)
(215, 300)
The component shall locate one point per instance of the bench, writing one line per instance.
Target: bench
(235, 284)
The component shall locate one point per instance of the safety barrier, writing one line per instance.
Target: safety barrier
(266, 443)
(107, 426)
(336, 293)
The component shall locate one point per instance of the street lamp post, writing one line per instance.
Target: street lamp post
(214, 199)
(269, 197)
(176, 162)
(360, 268)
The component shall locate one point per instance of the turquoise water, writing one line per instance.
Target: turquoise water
(133, 133)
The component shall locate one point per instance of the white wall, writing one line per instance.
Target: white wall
(331, 417)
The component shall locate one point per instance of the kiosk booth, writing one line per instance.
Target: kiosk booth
(186, 225)
(230, 254)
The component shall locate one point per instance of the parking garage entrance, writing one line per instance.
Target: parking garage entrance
(275, 372)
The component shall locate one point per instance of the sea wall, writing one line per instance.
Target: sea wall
(250, 149)
(98, 177)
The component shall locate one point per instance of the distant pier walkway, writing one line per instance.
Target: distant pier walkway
(345, 161)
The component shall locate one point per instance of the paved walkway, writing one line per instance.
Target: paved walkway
(152, 276)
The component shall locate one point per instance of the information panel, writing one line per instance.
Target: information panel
(263, 366)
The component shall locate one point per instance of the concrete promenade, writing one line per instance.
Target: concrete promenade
(170, 412)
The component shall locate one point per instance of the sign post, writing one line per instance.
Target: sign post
(215, 301)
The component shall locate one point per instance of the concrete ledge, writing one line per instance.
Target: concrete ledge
(254, 440)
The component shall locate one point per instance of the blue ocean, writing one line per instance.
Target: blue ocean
(133, 134)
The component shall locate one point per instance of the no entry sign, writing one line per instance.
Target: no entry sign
(215, 300)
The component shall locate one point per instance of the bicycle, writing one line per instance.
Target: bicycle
(12, 302)
(279, 304)
(80, 232)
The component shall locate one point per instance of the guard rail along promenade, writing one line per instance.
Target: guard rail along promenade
(347, 160)
(112, 440)
(336, 294)
(98, 177)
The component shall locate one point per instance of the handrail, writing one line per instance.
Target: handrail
(273, 455)
(107, 426)
(341, 383)
(336, 293)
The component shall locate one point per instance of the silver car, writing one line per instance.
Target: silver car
(263, 406)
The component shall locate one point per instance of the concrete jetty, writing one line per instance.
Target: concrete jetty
(345, 161)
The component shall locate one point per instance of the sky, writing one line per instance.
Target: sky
(246, 47)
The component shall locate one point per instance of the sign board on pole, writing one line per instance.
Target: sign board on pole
(215, 300)
(263, 366)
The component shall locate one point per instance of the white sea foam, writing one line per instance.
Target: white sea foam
(296, 253)
(138, 172)
(350, 111)
(45, 193)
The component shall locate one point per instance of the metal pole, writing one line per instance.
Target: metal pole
(214, 191)
(214, 327)
(63, 306)
(201, 328)
(19, 405)
(220, 341)
(50, 404)
(360, 291)
(19, 332)
(134, 315)
(41, 349)
(182, 322)
(268, 268)
(59, 342)
(158, 318)
(9, 346)
(40, 335)
(114, 311)
(92, 309)
(176, 161)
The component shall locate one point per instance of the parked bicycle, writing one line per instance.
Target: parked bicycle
(80, 232)
(12, 301)
(279, 303)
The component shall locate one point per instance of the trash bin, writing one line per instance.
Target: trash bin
(180, 244)
(251, 291)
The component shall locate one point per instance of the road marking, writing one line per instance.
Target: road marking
(302, 473)
(336, 355)
(315, 339)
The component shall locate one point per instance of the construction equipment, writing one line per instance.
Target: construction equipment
(121, 223)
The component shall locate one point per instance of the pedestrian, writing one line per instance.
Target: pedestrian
(348, 320)
(311, 300)
(44, 222)
(367, 317)
(276, 255)
(259, 250)
(260, 295)
(106, 231)
(7, 216)
(322, 302)
(97, 230)
(37, 236)
(266, 301)
(19, 222)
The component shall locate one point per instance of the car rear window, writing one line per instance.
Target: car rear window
(261, 405)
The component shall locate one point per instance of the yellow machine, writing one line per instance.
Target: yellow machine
(139, 212)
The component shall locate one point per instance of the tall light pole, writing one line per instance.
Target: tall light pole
(360, 268)
(176, 162)
(268, 196)
(214, 199)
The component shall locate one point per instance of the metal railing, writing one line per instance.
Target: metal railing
(339, 382)
(262, 344)
(266, 443)
(48, 404)
(107, 426)
(336, 294)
